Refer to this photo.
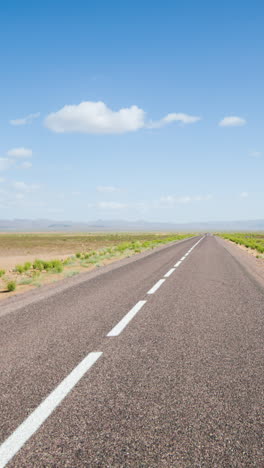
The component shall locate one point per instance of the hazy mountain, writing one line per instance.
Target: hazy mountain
(47, 225)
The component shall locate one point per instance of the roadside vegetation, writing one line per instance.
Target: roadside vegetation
(254, 241)
(95, 251)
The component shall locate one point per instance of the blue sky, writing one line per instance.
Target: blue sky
(132, 110)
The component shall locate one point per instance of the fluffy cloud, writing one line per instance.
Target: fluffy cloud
(25, 120)
(172, 200)
(5, 164)
(96, 117)
(20, 152)
(22, 186)
(106, 189)
(232, 121)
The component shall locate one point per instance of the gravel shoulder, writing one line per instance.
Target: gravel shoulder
(252, 265)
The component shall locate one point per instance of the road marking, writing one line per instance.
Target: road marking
(156, 286)
(33, 422)
(21, 435)
(187, 253)
(126, 319)
(169, 273)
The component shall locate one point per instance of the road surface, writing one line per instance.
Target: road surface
(156, 363)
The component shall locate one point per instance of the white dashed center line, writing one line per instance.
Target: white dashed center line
(156, 286)
(126, 319)
(169, 272)
(21, 435)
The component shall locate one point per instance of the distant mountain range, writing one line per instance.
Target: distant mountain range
(47, 225)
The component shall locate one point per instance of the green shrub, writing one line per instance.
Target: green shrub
(38, 265)
(19, 268)
(11, 286)
(2, 272)
(46, 265)
(124, 246)
(27, 266)
(56, 266)
(78, 254)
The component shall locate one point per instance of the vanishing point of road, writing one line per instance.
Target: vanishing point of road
(156, 361)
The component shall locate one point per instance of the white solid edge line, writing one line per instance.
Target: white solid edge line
(169, 272)
(33, 422)
(156, 286)
(177, 264)
(126, 319)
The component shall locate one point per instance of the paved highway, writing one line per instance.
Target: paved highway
(156, 363)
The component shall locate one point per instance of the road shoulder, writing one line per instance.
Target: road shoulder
(253, 266)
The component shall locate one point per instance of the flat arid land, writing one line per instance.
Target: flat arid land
(30, 260)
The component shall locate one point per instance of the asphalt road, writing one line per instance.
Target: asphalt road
(178, 382)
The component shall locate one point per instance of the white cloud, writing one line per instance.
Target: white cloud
(111, 205)
(96, 117)
(182, 118)
(232, 121)
(172, 200)
(20, 152)
(106, 189)
(255, 154)
(5, 164)
(26, 165)
(25, 120)
(244, 194)
(25, 187)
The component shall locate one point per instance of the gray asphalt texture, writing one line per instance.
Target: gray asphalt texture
(182, 386)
